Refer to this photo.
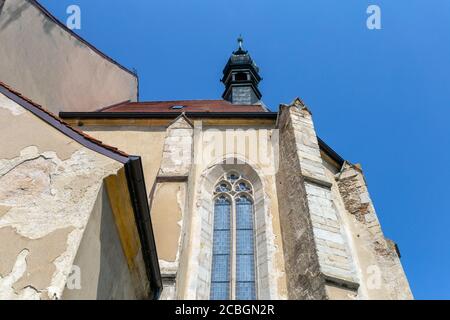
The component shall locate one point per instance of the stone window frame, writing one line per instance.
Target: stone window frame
(265, 285)
(232, 194)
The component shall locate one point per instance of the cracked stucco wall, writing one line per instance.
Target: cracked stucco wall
(380, 268)
(167, 216)
(168, 204)
(329, 211)
(153, 140)
(70, 76)
(48, 187)
(167, 199)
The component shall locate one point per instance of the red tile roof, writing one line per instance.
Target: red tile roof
(187, 106)
(57, 122)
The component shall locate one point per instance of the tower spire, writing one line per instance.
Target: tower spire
(240, 41)
(241, 77)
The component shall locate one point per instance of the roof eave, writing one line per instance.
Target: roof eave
(169, 115)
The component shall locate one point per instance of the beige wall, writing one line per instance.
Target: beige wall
(147, 142)
(48, 187)
(167, 216)
(47, 64)
(247, 146)
(178, 229)
(376, 281)
(104, 272)
(174, 226)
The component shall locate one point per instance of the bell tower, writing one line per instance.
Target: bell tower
(241, 78)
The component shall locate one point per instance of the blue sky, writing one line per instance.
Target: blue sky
(378, 97)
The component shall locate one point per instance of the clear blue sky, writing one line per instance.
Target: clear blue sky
(381, 98)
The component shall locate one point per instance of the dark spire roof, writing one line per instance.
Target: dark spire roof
(241, 77)
(241, 57)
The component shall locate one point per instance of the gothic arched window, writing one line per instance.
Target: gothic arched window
(233, 260)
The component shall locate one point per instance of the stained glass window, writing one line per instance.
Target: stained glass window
(245, 265)
(232, 177)
(223, 187)
(220, 280)
(242, 186)
(233, 209)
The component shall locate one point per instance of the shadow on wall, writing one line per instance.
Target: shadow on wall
(13, 15)
(100, 258)
(114, 280)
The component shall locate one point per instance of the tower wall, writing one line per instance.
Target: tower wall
(243, 95)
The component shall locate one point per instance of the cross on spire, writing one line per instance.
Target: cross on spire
(240, 41)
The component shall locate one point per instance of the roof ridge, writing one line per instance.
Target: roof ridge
(113, 105)
(167, 101)
(185, 105)
(62, 122)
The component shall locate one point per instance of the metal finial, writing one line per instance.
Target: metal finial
(240, 41)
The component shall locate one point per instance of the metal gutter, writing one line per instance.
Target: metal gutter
(166, 115)
(330, 152)
(138, 193)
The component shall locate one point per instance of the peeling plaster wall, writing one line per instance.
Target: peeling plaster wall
(168, 205)
(151, 142)
(69, 75)
(354, 218)
(334, 292)
(104, 272)
(327, 210)
(176, 164)
(48, 187)
(167, 217)
(379, 266)
(167, 199)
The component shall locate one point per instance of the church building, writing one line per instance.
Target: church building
(222, 199)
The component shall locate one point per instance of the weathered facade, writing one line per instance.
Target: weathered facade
(319, 236)
(67, 212)
(245, 203)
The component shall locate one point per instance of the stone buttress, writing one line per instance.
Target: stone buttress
(316, 250)
(172, 181)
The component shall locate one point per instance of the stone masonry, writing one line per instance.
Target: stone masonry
(177, 153)
(303, 275)
(331, 260)
(382, 258)
(175, 167)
